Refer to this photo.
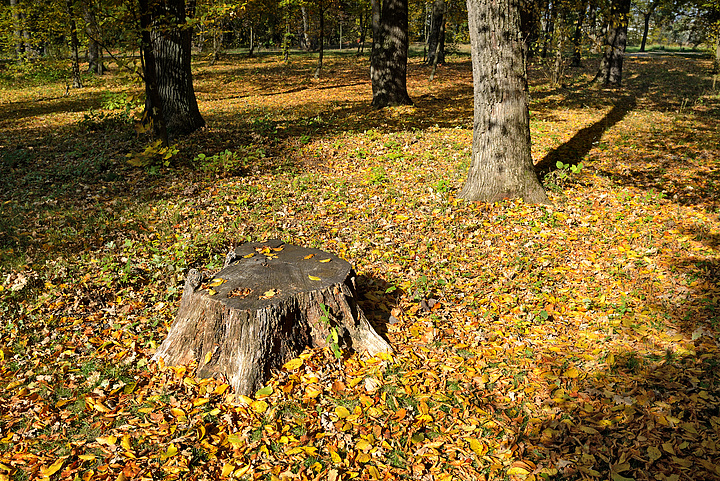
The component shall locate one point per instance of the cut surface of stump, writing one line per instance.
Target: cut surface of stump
(269, 302)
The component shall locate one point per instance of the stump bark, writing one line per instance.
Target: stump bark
(269, 302)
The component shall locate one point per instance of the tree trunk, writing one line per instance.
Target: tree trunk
(17, 29)
(153, 103)
(363, 19)
(171, 39)
(437, 24)
(610, 71)
(251, 51)
(74, 46)
(577, 37)
(305, 35)
(501, 164)
(269, 303)
(92, 30)
(388, 62)
(322, 39)
(646, 29)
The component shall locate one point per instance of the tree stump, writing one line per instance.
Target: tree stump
(269, 302)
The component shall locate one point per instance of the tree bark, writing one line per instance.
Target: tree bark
(92, 30)
(269, 303)
(171, 40)
(437, 27)
(577, 37)
(74, 46)
(17, 29)
(305, 35)
(610, 71)
(501, 164)
(388, 61)
(321, 7)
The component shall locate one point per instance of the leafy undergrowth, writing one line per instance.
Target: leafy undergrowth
(577, 341)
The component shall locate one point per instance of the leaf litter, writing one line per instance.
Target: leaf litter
(570, 342)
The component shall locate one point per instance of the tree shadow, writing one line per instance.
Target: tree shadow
(376, 302)
(576, 149)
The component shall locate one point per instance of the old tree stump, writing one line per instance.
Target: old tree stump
(269, 302)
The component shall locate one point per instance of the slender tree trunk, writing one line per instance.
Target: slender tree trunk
(322, 40)
(92, 30)
(646, 29)
(17, 29)
(251, 52)
(388, 63)
(363, 19)
(74, 46)
(305, 35)
(437, 25)
(610, 71)
(577, 37)
(218, 36)
(501, 164)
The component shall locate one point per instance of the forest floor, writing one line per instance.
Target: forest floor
(578, 341)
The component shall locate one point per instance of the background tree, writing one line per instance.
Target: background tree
(610, 71)
(501, 165)
(170, 97)
(388, 60)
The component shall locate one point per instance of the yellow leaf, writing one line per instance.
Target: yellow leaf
(171, 451)
(53, 468)
(211, 292)
(268, 294)
(259, 406)
(335, 457)
(227, 470)
(87, 457)
(610, 360)
(249, 255)
(571, 373)
(363, 445)
(200, 401)
(325, 260)
(342, 412)
(309, 256)
(177, 412)
(218, 281)
(293, 364)
(373, 471)
(221, 388)
(518, 471)
(208, 356)
(478, 447)
(313, 278)
(125, 443)
(109, 440)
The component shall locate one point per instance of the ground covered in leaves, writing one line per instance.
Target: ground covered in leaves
(577, 341)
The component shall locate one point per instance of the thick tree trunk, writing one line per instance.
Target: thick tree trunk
(610, 71)
(171, 40)
(74, 46)
(153, 103)
(388, 61)
(269, 303)
(437, 27)
(501, 164)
